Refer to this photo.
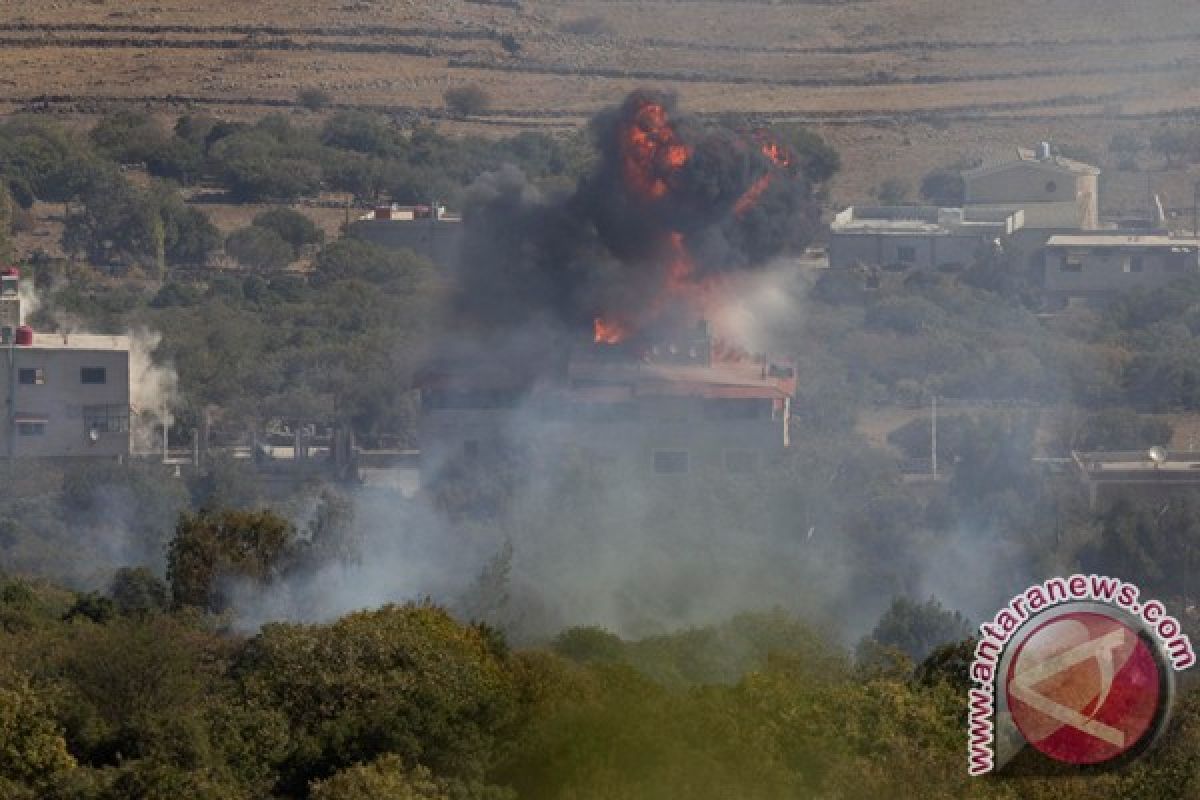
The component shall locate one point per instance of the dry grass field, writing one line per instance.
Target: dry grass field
(899, 86)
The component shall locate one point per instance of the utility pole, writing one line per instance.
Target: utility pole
(933, 438)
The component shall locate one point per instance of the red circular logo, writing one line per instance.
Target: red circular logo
(1085, 688)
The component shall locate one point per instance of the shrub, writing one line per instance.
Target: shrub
(314, 99)
(292, 226)
(466, 101)
(259, 248)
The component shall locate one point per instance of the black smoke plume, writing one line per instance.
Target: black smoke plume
(610, 247)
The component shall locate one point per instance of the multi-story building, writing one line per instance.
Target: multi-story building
(1096, 267)
(916, 237)
(65, 395)
(429, 231)
(666, 410)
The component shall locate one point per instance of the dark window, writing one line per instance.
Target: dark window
(106, 419)
(31, 376)
(93, 375)
(906, 255)
(1071, 264)
(740, 462)
(671, 462)
(31, 428)
(1051, 187)
(1135, 264)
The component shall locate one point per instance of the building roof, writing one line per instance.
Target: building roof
(926, 220)
(1026, 156)
(735, 379)
(77, 341)
(1123, 240)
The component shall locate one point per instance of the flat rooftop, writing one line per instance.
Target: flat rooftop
(1123, 240)
(77, 341)
(607, 380)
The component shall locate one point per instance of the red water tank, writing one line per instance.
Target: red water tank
(10, 272)
(24, 336)
(383, 212)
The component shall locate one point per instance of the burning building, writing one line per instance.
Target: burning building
(584, 316)
(66, 395)
(679, 406)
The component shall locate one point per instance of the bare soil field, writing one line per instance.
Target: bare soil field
(899, 86)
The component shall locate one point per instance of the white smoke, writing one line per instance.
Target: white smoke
(154, 390)
(31, 300)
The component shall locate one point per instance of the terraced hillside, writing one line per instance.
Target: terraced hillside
(907, 83)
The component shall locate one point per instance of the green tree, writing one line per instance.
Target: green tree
(292, 226)
(33, 745)
(314, 99)
(259, 248)
(893, 191)
(136, 590)
(212, 547)
(403, 680)
(350, 258)
(386, 778)
(467, 101)
(944, 186)
(916, 629)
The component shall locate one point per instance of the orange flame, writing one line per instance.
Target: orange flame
(608, 331)
(779, 157)
(651, 151)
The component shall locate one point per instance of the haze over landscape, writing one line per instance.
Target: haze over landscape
(514, 399)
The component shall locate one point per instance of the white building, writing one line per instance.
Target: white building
(917, 237)
(65, 395)
(1054, 192)
(1094, 268)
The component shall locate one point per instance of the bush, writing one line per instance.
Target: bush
(893, 191)
(466, 101)
(944, 186)
(211, 547)
(314, 99)
(588, 26)
(291, 226)
(259, 248)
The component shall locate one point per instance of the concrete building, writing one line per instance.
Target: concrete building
(916, 237)
(1054, 192)
(429, 231)
(1094, 268)
(668, 410)
(66, 395)
(1152, 472)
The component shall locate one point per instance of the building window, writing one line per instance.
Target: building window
(1051, 187)
(31, 428)
(671, 462)
(1071, 263)
(31, 376)
(93, 375)
(1134, 264)
(906, 255)
(741, 462)
(106, 419)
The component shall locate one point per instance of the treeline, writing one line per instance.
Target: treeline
(142, 702)
(112, 220)
(974, 336)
